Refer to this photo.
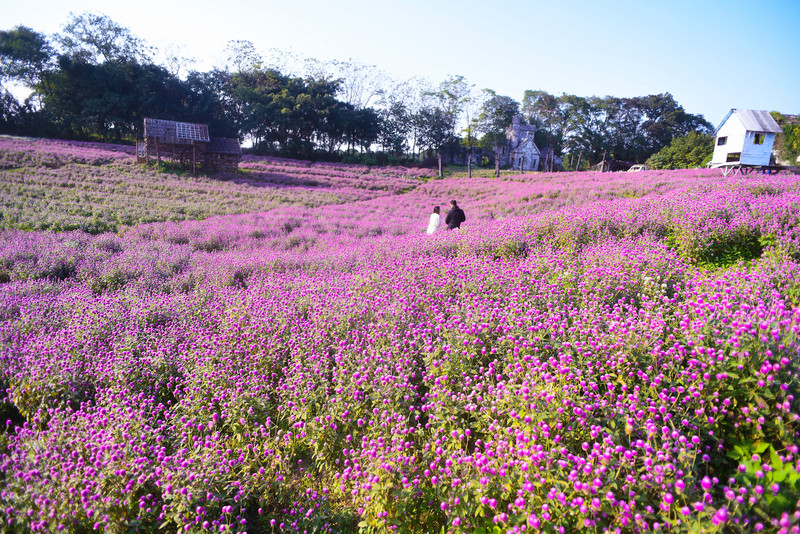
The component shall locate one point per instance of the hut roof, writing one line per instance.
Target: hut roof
(179, 131)
(224, 145)
(753, 121)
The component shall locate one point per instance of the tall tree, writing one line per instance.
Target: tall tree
(495, 116)
(449, 100)
(95, 38)
(10, 113)
(110, 100)
(582, 126)
(26, 55)
(359, 84)
(395, 127)
(451, 97)
(685, 152)
(400, 102)
(625, 138)
(172, 57)
(435, 130)
(210, 101)
(664, 119)
(497, 112)
(547, 113)
(242, 55)
(284, 113)
(471, 108)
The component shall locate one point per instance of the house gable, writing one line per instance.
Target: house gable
(744, 137)
(527, 147)
(522, 153)
(525, 156)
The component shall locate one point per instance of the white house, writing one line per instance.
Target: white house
(744, 137)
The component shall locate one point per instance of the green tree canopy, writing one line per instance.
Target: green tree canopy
(25, 55)
(496, 113)
(787, 142)
(686, 152)
(96, 38)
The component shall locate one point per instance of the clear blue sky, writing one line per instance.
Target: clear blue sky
(712, 55)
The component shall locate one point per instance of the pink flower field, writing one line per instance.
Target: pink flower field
(285, 349)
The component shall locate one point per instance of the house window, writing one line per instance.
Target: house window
(722, 140)
(733, 157)
(758, 139)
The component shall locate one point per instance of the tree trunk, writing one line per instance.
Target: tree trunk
(439, 157)
(496, 165)
(578, 165)
(469, 163)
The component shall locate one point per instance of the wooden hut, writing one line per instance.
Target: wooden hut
(223, 153)
(188, 144)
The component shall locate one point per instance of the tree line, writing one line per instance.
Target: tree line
(96, 80)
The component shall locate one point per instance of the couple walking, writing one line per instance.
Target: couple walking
(455, 216)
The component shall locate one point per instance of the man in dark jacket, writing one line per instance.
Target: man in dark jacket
(455, 216)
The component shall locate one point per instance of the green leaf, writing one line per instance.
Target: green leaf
(775, 460)
(760, 447)
(781, 503)
(736, 453)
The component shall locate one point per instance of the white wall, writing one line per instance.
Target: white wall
(753, 154)
(741, 141)
(735, 133)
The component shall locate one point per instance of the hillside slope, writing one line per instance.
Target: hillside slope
(591, 351)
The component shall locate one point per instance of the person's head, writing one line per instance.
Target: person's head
(436, 209)
(454, 203)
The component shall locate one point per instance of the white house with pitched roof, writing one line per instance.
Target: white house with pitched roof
(744, 137)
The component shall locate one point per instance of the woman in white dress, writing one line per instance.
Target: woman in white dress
(433, 224)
